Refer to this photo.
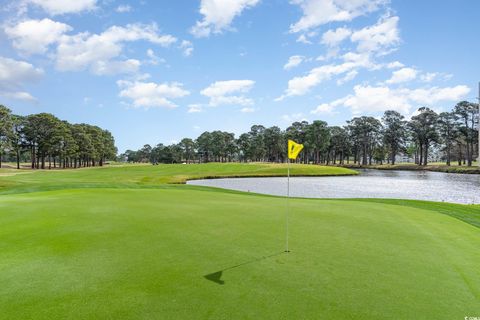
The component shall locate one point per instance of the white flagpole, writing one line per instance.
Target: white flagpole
(288, 204)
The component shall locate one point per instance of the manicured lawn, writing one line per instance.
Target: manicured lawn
(119, 243)
(142, 176)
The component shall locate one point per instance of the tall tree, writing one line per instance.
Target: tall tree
(366, 131)
(424, 131)
(339, 143)
(17, 139)
(467, 113)
(274, 141)
(448, 132)
(5, 130)
(204, 143)
(395, 133)
(317, 138)
(188, 149)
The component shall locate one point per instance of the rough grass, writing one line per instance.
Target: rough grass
(146, 249)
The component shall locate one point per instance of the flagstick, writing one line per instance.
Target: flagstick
(288, 205)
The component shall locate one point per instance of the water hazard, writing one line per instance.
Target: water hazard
(415, 185)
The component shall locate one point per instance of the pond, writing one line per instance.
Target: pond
(415, 185)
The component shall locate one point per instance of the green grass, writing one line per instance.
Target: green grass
(141, 176)
(120, 243)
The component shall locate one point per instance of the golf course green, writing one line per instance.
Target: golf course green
(133, 242)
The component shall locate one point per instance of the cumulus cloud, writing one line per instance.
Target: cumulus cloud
(431, 76)
(153, 58)
(187, 48)
(58, 7)
(229, 92)
(247, 110)
(218, 15)
(98, 51)
(324, 108)
(293, 61)
(34, 36)
(371, 99)
(378, 38)
(13, 75)
(333, 38)
(348, 77)
(395, 65)
(371, 41)
(403, 75)
(320, 12)
(150, 94)
(301, 85)
(303, 39)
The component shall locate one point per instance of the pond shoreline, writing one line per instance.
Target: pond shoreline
(385, 184)
(414, 167)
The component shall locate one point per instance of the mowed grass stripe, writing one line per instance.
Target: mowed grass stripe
(140, 253)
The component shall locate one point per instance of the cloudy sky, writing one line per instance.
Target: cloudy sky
(157, 71)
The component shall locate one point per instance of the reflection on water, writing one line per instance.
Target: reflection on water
(419, 185)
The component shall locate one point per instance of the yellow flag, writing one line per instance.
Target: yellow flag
(294, 149)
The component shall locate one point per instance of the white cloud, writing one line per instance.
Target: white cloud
(379, 37)
(372, 41)
(218, 15)
(403, 75)
(150, 94)
(435, 94)
(369, 99)
(97, 51)
(247, 110)
(324, 108)
(34, 36)
(115, 67)
(395, 65)
(289, 118)
(154, 59)
(13, 75)
(333, 38)
(293, 62)
(301, 85)
(56, 7)
(376, 99)
(348, 77)
(430, 76)
(194, 108)
(229, 92)
(123, 8)
(187, 47)
(303, 39)
(319, 12)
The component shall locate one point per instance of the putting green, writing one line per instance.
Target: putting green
(182, 252)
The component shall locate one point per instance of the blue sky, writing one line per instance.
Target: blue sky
(158, 71)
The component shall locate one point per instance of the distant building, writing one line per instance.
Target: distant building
(404, 158)
(434, 155)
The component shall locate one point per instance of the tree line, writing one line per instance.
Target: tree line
(362, 140)
(44, 141)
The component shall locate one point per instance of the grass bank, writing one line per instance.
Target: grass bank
(410, 166)
(143, 176)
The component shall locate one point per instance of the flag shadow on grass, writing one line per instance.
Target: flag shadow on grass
(217, 276)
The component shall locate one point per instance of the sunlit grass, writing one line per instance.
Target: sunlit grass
(128, 242)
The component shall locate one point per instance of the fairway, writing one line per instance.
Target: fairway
(125, 243)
